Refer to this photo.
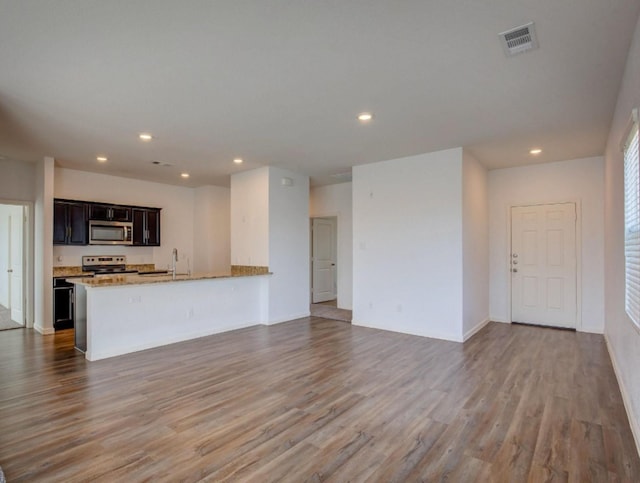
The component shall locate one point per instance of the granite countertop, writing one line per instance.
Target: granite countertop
(75, 271)
(137, 279)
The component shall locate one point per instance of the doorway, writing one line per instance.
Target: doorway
(543, 265)
(13, 252)
(324, 269)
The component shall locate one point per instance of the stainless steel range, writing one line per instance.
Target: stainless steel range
(105, 264)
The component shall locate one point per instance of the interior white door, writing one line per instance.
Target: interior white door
(15, 264)
(323, 259)
(5, 276)
(543, 265)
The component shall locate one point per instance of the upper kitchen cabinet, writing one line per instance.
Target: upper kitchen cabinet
(109, 212)
(146, 226)
(69, 223)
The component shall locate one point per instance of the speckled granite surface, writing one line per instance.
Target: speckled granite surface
(134, 279)
(76, 271)
(249, 270)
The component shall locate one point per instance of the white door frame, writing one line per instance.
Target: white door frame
(322, 215)
(507, 255)
(27, 259)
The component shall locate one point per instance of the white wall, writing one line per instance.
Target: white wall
(579, 180)
(211, 229)
(288, 246)
(622, 336)
(250, 217)
(475, 245)
(335, 200)
(17, 181)
(407, 238)
(176, 218)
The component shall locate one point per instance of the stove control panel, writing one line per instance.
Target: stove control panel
(103, 260)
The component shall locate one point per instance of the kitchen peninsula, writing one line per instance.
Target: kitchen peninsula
(120, 314)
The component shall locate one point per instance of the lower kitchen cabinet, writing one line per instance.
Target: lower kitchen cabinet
(63, 304)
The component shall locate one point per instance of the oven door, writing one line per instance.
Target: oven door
(110, 233)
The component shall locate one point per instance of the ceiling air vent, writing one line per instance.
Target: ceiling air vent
(518, 40)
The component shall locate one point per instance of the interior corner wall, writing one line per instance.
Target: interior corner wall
(250, 217)
(211, 229)
(407, 239)
(43, 252)
(622, 336)
(288, 245)
(336, 200)
(475, 251)
(578, 180)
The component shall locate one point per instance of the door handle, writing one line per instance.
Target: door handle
(514, 270)
(10, 270)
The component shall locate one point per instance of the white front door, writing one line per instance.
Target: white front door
(543, 265)
(323, 259)
(16, 221)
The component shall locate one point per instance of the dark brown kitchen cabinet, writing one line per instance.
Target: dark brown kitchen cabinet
(146, 226)
(69, 223)
(109, 212)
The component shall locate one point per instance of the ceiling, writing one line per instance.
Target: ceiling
(280, 83)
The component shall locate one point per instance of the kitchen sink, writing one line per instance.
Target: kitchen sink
(154, 274)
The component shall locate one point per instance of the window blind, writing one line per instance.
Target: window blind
(632, 225)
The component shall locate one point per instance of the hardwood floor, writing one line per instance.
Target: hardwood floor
(317, 400)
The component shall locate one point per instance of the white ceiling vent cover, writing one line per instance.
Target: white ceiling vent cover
(518, 40)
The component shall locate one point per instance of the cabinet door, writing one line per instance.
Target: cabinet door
(59, 223)
(77, 219)
(99, 212)
(153, 228)
(120, 213)
(139, 226)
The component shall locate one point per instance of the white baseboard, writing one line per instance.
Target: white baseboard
(93, 355)
(499, 319)
(475, 330)
(634, 420)
(44, 330)
(289, 318)
(430, 334)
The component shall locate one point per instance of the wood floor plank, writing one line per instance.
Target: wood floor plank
(317, 400)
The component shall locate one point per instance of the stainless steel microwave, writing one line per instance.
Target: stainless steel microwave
(110, 232)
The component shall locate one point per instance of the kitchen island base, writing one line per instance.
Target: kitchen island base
(125, 318)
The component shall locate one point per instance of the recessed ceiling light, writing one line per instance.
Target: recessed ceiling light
(365, 116)
(102, 159)
(238, 160)
(145, 136)
(185, 175)
(535, 151)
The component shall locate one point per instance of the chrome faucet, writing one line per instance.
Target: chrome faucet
(174, 260)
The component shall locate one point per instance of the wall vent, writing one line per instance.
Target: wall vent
(519, 39)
